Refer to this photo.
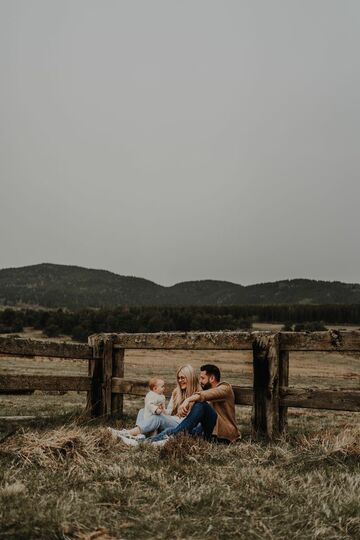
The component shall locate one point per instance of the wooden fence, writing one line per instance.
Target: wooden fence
(270, 396)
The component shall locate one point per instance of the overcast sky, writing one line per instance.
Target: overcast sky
(181, 140)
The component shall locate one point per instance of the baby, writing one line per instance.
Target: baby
(154, 405)
(155, 399)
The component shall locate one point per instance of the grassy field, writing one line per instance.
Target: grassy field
(64, 477)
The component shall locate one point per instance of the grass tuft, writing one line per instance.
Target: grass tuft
(184, 448)
(76, 532)
(53, 448)
(343, 444)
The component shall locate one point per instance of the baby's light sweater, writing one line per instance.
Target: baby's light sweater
(152, 402)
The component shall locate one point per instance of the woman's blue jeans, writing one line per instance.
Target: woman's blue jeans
(201, 420)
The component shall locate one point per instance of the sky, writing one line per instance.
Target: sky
(181, 140)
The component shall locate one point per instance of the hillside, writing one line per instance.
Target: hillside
(74, 287)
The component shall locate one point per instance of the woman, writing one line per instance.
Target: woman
(187, 385)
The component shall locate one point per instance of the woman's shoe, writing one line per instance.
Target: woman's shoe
(116, 433)
(124, 432)
(128, 441)
(160, 443)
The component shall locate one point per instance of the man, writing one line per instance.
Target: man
(221, 397)
(211, 411)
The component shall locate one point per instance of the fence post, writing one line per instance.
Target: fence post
(117, 400)
(283, 382)
(95, 371)
(107, 362)
(265, 411)
(106, 377)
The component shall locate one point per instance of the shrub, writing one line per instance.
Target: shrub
(80, 333)
(287, 327)
(313, 326)
(52, 330)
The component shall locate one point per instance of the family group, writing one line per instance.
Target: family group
(200, 405)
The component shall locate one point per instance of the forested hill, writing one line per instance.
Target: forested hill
(53, 285)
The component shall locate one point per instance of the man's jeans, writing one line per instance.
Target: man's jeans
(155, 421)
(201, 413)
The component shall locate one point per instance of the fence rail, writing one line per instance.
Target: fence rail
(270, 396)
(330, 341)
(37, 347)
(9, 383)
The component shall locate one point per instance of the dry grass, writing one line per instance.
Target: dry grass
(99, 534)
(76, 482)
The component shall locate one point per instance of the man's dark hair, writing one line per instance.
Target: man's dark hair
(212, 370)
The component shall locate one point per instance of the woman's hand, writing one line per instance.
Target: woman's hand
(187, 404)
(184, 407)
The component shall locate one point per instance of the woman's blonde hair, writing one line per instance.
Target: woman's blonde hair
(192, 386)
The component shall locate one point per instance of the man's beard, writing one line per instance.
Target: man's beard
(206, 386)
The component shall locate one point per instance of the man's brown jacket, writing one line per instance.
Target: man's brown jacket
(223, 401)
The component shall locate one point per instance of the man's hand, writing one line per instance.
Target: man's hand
(185, 406)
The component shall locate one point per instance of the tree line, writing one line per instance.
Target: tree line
(80, 324)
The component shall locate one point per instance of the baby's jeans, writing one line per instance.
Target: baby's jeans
(155, 422)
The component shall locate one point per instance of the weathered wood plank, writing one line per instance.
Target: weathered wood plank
(284, 382)
(17, 392)
(316, 398)
(243, 394)
(43, 382)
(95, 371)
(265, 413)
(37, 347)
(117, 400)
(320, 341)
(29, 357)
(21, 419)
(135, 387)
(184, 340)
(106, 378)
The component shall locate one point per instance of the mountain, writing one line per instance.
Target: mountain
(74, 287)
